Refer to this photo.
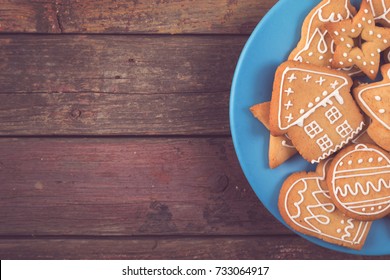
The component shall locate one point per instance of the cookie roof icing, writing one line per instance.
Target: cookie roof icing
(303, 89)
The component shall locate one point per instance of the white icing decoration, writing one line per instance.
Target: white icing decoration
(312, 129)
(339, 146)
(357, 188)
(365, 105)
(380, 16)
(327, 100)
(333, 114)
(321, 217)
(344, 129)
(320, 81)
(324, 142)
(307, 78)
(312, 32)
(292, 78)
(288, 105)
(284, 143)
(289, 117)
(289, 91)
(381, 111)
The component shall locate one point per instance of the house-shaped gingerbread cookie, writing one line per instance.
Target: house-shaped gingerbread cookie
(313, 105)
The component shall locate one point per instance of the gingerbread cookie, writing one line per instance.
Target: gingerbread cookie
(381, 11)
(314, 107)
(359, 182)
(374, 100)
(305, 205)
(346, 35)
(280, 147)
(316, 46)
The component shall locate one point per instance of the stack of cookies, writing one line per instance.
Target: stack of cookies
(321, 110)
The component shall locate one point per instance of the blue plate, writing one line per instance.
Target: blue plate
(268, 46)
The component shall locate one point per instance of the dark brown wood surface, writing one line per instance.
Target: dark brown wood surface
(115, 140)
(135, 16)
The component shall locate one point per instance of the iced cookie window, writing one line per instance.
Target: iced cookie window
(312, 129)
(324, 142)
(333, 114)
(344, 129)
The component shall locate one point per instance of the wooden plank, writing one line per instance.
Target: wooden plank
(127, 187)
(140, 16)
(114, 114)
(118, 64)
(224, 248)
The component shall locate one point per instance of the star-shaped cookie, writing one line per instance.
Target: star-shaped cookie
(359, 41)
(374, 100)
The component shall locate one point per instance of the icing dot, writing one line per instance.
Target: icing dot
(353, 30)
(349, 162)
(343, 29)
(358, 57)
(301, 111)
(371, 32)
(369, 21)
(360, 161)
(380, 159)
(341, 63)
(364, 209)
(372, 71)
(373, 54)
(382, 111)
(372, 208)
(366, 11)
(321, 57)
(378, 98)
(342, 222)
(342, 39)
(378, 50)
(338, 230)
(345, 54)
(350, 59)
(310, 105)
(364, 63)
(359, 25)
(317, 99)
(341, 164)
(379, 36)
(336, 33)
(324, 93)
(349, 46)
(379, 207)
(363, 19)
(370, 159)
(330, 59)
(310, 54)
(385, 41)
(372, 62)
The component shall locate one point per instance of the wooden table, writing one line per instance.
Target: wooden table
(115, 140)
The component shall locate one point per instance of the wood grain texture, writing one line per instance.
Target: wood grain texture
(220, 248)
(118, 64)
(127, 187)
(114, 114)
(136, 16)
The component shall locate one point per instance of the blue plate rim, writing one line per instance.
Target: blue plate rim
(232, 121)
